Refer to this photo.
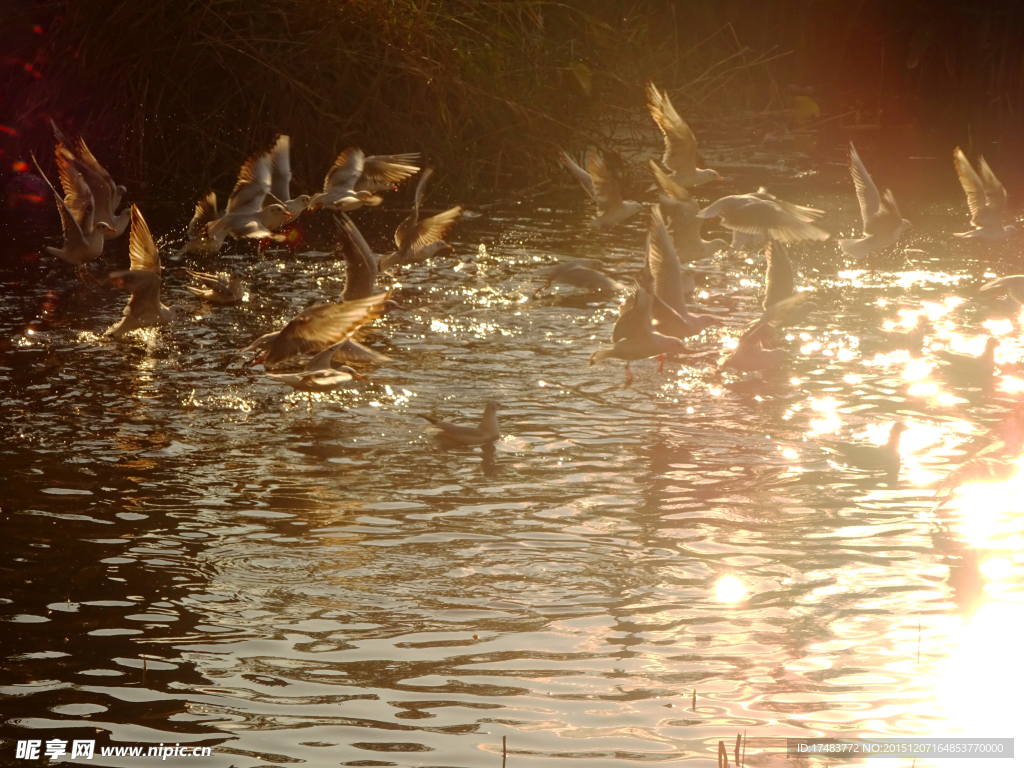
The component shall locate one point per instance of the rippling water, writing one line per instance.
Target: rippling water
(196, 557)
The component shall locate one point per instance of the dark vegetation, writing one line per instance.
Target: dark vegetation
(173, 94)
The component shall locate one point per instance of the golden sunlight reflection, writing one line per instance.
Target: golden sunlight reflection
(729, 589)
(998, 327)
(980, 679)
(829, 420)
(916, 370)
(990, 514)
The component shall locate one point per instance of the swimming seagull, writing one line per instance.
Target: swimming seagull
(83, 236)
(316, 328)
(762, 214)
(685, 226)
(198, 239)
(669, 311)
(106, 194)
(986, 198)
(420, 239)
(603, 187)
(881, 217)
(875, 458)
(680, 144)
(245, 214)
(219, 288)
(144, 308)
(354, 179)
(634, 336)
(581, 273)
(487, 431)
(978, 369)
(280, 187)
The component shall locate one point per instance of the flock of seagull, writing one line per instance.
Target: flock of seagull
(655, 319)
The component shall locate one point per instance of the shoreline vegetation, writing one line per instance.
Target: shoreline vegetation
(176, 93)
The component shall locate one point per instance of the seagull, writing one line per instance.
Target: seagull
(360, 261)
(761, 213)
(603, 187)
(1011, 285)
(669, 310)
(280, 188)
(986, 198)
(979, 369)
(220, 288)
(911, 339)
(144, 308)
(83, 236)
(244, 215)
(106, 194)
(684, 224)
(634, 336)
(486, 432)
(875, 458)
(883, 223)
(755, 350)
(354, 179)
(420, 239)
(581, 273)
(316, 379)
(199, 240)
(680, 144)
(316, 328)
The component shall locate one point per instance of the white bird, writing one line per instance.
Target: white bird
(603, 187)
(487, 431)
(581, 273)
(671, 315)
(280, 188)
(106, 194)
(1011, 285)
(680, 144)
(881, 217)
(420, 239)
(320, 375)
(634, 336)
(986, 198)
(220, 288)
(144, 308)
(245, 214)
(199, 241)
(317, 328)
(83, 235)
(761, 213)
(756, 349)
(683, 222)
(354, 179)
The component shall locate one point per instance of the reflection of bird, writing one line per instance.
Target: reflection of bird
(968, 367)
(220, 288)
(144, 308)
(603, 187)
(487, 431)
(881, 217)
(317, 328)
(986, 199)
(354, 179)
(764, 215)
(420, 239)
(581, 273)
(634, 336)
(680, 144)
(875, 458)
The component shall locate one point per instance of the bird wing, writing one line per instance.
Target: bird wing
(634, 315)
(281, 169)
(432, 229)
(71, 229)
(78, 195)
(206, 211)
(974, 187)
(219, 282)
(404, 231)
(581, 175)
(252, 186)
(995, 192)
(381, 172)
(680, 143)
(778, 283)
(606, 186)
(144, 286)
(670, 188)
(867, 192)
(360, 262)
(663, 262)
(345, 171)
(323, 325)
(100, 182)
(145, 256)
